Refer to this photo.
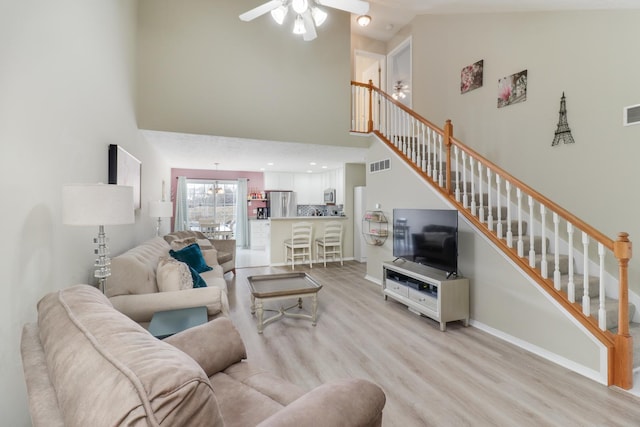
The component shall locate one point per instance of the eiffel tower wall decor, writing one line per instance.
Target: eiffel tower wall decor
(563, 133)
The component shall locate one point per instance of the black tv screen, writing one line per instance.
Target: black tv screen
(427, 236)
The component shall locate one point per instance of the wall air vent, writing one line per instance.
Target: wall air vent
(631, 115)
(379, 166)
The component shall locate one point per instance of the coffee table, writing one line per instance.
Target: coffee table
(166, 323)
(270, 287)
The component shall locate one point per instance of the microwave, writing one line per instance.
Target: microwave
(330, 196)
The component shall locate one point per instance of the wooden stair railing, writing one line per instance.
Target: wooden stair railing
(482, 191)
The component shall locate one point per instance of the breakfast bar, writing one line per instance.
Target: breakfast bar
(281, 230)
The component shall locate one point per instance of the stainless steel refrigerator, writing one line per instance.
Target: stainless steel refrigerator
(282, 204)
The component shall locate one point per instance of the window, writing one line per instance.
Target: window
(211, 200)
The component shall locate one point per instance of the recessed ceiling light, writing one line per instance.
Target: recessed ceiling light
(261, 169)
(324, 167)
(312, 163)
(270, 164)
(309, 171)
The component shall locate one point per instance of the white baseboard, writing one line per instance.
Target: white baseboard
(545, 354)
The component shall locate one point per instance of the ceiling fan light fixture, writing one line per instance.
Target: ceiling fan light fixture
(300, 6)
(363, 20)
(298, 26)
(279, 14)
(319, 16)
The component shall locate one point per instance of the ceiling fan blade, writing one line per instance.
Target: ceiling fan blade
(260, 10)
(309, 25)
(357, 7)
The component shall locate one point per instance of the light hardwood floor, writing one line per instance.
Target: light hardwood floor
(462, 377)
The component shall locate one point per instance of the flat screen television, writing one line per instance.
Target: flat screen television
(427, 236)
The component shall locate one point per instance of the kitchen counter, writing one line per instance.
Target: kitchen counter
(305, 218)
(281, 230)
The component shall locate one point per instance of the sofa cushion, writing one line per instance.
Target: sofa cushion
(192, 255)
(224, 257)
(155, 383)
(134, 272)
(173, 275)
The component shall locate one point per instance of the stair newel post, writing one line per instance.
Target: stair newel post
(623, 371)
(370, 119)
(448, 134)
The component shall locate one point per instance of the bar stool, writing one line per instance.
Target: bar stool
(330, 244)
(300, 243)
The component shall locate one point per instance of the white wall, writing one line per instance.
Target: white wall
(203, 70)
(67, 83)
(591, 56)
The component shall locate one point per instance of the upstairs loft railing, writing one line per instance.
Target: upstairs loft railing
(516, 218)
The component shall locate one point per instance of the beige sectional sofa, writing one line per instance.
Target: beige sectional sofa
(87, 364)
(133, 286)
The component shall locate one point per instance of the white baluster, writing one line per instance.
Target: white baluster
(602, 312)
(480, 194)
(440, 157)
(473, 185)
(457, 190)
(465, 195)
(532, 251)
(520, 244)
(556, 252)
(586, 300)
(507, 185)
(413, 140)
(498, 206)
(489, 205)
(543, 236)
(421, 157)
(429, 143)
(571, 286)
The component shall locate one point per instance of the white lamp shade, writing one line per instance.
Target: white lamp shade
(97, 204)
(160, 209)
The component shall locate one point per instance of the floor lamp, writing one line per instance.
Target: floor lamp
(160, 210)
(98, 204)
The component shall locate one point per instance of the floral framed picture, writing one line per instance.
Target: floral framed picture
(512, 89)
(471, 77)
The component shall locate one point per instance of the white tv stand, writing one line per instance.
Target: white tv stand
(427, 291)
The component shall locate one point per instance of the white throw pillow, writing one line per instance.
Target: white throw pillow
(210, 257)
(173, 275)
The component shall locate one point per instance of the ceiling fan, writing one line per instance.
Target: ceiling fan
(308, 14)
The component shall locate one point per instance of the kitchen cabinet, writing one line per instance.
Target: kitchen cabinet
(308, 188)
(258, 233)
(279, 181)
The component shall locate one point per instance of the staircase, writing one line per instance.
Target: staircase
(582, 269)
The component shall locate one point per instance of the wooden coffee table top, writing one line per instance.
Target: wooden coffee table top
(282, 284)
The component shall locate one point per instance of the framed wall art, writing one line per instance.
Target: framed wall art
(125, 169)
(471, 77)
(512, 89)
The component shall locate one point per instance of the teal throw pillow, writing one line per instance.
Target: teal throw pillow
(198, 281)
(192, 256)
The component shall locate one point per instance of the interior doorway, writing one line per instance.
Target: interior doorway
(370, 66)
(400, 75)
